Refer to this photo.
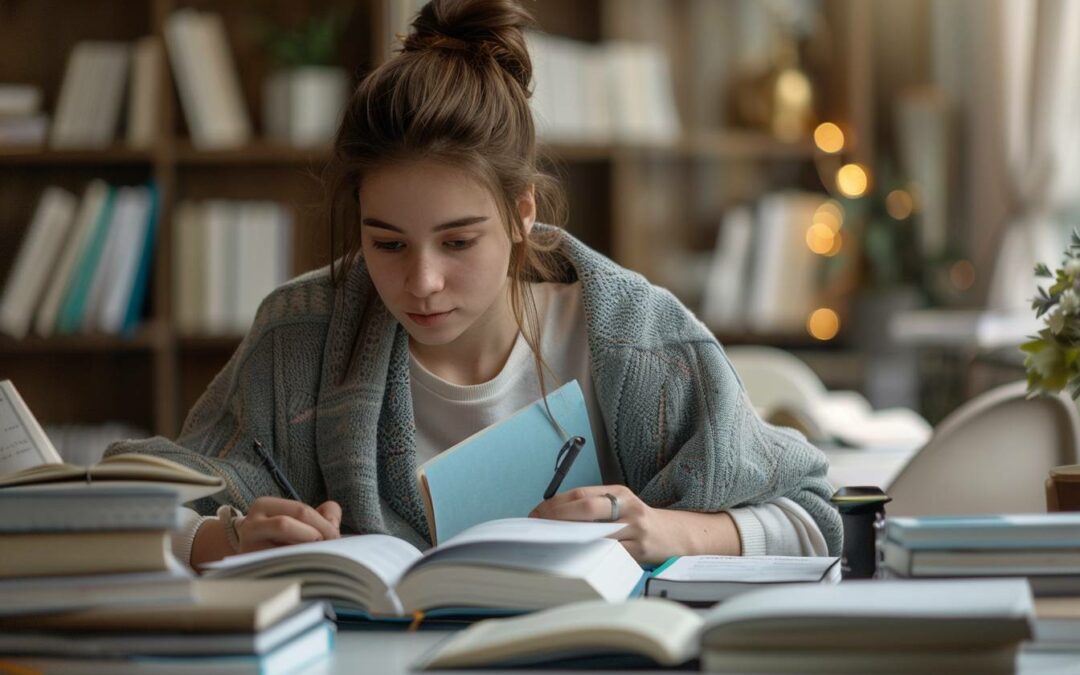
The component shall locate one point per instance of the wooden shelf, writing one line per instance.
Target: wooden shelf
(208, 343)
(259, 153)
(37, 156)
(145, 339)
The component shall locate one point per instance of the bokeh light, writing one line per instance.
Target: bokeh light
(820, 238)
(852, 180)
(962, 274)
(829, 138)
(899, 204)
(823, 324)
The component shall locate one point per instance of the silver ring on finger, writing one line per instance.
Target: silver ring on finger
(614, 507)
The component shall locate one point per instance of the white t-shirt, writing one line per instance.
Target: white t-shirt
(448, 413)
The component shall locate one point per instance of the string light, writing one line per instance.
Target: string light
(829, 138)
(831, 214)
(823, 324)
(852, 180)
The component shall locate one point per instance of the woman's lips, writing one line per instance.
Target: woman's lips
(428, 320)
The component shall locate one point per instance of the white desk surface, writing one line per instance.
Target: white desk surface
(392, 652)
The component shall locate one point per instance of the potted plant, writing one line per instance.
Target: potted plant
(304, 95)
(1053, 356)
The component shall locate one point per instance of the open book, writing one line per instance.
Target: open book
(517, 564)
(853, 627)
(29, 461)
(501, 471)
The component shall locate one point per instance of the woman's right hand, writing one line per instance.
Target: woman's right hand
(272, 521)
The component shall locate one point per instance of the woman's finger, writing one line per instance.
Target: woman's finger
(279, 530)
(272, 506)
(331, 510)
(593, 508)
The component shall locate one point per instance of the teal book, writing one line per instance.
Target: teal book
(503, 470)
(142, 276)
(71, 310)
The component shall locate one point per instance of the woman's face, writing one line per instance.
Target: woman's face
(436, 248)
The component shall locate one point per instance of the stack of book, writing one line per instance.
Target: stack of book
(84, 264)
(1044, 548)
(22, 122)
(854, 627)
(87, 577)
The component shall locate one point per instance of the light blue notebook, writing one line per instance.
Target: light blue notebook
(502, 471)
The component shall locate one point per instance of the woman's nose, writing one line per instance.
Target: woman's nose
(423, 277)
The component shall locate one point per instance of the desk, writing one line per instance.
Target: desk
(392, 653)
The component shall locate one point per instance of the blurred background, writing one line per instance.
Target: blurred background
(864, 185)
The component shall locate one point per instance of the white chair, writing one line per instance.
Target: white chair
(991, 455)
(775, 379)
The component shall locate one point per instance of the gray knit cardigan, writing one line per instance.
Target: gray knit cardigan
(322, 380)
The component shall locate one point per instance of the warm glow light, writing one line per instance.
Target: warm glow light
(962, 275)
(829, 138)
(852, 180)
(823, 324)
(899, 204)
(820, 238)
(830, 213)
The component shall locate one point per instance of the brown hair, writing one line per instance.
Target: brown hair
(458, 93)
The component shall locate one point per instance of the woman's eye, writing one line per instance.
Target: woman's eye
(389, 245)
(458, 244)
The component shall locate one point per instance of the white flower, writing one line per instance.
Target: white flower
(1070, 302)
(1072, 267)
(1056, 321)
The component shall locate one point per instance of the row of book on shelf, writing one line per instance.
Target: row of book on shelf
(84, 266)
(87, 574)
(763, 275)
(584, 93)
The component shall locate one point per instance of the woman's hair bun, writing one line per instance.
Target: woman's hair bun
(485, 28)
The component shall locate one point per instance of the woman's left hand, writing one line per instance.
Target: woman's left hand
(651, 535)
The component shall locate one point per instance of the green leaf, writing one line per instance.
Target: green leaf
(1041, 270)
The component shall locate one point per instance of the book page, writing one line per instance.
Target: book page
(531, 531)
(385, 556)
(746, 569)
(23, 443)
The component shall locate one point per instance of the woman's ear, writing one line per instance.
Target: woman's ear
(526, 212)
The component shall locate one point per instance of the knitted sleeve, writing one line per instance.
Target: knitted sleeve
(695, 442)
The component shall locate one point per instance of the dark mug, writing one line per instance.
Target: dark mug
(862, 509)
(1063, 488)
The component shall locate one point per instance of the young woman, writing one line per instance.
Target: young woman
(451, 308)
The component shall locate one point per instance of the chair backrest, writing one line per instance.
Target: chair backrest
(991, 455)
(774, 378)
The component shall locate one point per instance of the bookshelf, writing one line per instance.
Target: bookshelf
(153, 377)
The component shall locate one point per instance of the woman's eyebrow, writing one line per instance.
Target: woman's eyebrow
(460, 222)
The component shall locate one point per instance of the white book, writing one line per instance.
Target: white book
(724, 304)
(91, 95)
(74, 89)
(219, 287)
(89, 207)
(256, 259)
(115, 65)
(180, 42)
(188, 267)
(19, 100)
(515, 564)
(134, 229)
(146, 75)
(36, 259)
(708, 579)
(227, 123)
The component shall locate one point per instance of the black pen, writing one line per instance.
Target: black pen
(276, 473)
(563, 461)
